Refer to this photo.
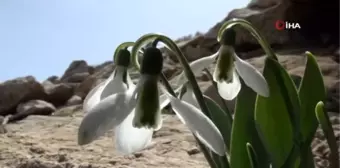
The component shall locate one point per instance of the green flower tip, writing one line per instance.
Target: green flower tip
(228, 37)
(320, 115)
(308, 53)
(319, 107)
(123, 58)
(152, 62)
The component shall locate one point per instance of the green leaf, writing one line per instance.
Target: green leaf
(252, 156)
(224, 123)
(311, 91)
(220, 118)
(207, 154)
(244, 131)
(277, 116)
(307, 158)
(328, 131)
(221, 161)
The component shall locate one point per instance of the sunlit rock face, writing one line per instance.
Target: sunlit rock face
(318, 21)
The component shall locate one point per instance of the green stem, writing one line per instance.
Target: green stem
(253, 30)
(327, 128)
(252, 156)
(124, 45)
(206, 154)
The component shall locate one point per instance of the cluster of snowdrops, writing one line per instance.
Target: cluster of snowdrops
(274, 119)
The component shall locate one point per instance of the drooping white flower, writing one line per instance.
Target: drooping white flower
(118, 81)
(228, 70)
(135, 113)
(110, 105)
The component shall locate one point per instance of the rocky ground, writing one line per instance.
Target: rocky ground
(51, 142)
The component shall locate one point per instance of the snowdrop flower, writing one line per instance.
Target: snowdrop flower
(201, 126)
(110, 105)
(229, 69)
(135, 113)
(118, 81)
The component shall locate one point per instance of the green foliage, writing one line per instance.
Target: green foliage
(274, 131)
(278, 130)
(244, 131)
(273, 113)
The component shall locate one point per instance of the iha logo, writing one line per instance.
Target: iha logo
(282, 25)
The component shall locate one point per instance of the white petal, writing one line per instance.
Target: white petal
(129, 139)
(190, 98)
(199, 124)
(107, 114)
(93, 97)
(116, 84)
(252, 77)
(197, 66)
(229, 91)
(163, 101)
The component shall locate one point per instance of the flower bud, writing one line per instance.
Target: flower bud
(225, 64)
(152, 62)
(123, 58)
(228, 37)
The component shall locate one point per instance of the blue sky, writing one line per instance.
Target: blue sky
(42, 37)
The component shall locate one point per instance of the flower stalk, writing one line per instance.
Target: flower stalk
(253, 30)
(189, 74)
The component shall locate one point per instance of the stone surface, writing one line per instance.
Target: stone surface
(13, 92)
(59, 93)
(77, 71)
(32, 107)
(74, 100)
(52, 142)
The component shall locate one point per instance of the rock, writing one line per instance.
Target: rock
(38, 164)
(54, 79)
(84, 88)
(169, 68)
(76, 72)
(3, 129)
(336, 56)
(263, 19)
(93, 80)
(264, 14)
(2, 125)
(2, 119)
(78, 77)
(32, 107)
(68, 110)
(332, 101)
(103, 65)
(74, 100)
(59, 93)
(13, 92)
(195, 52)
(197, 47)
